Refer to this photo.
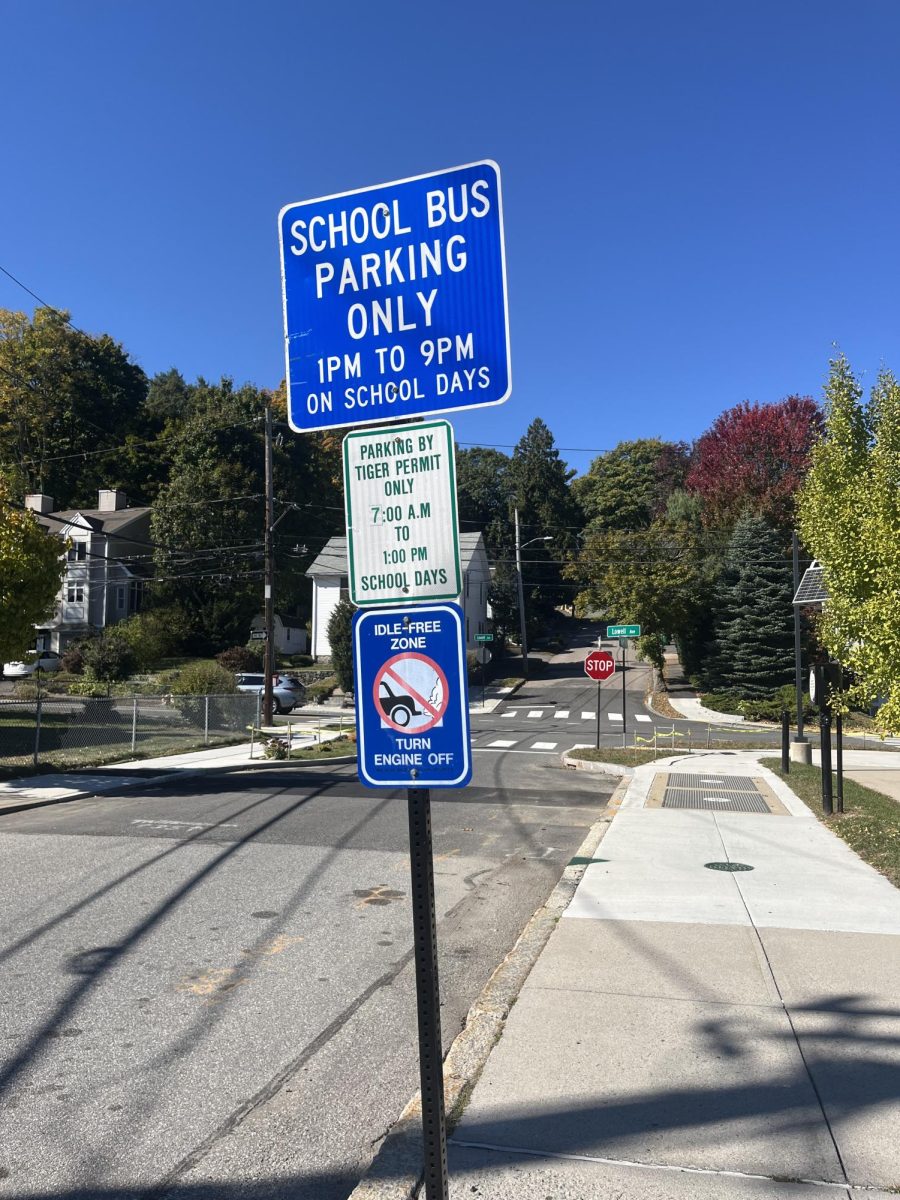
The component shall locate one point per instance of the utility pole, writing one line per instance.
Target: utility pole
(798, 670)
(269, 573)
(521, 598)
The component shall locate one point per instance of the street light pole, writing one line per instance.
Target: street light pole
(521, 598)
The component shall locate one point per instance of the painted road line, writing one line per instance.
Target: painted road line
(641, 717)
(588, 716)
(561, 714)
(511, 713)
(614, 716)
(545, 745)
(500, 745)
(536, 713)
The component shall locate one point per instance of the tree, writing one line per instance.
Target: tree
(657, 577)
(64, 396)
(628, 487)
(340, 638)
(754, 628)
(483, 490)
(31, 570)
(754, 457)
(539, 488)
(850, 520)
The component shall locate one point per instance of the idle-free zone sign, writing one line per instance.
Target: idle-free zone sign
(412, 704)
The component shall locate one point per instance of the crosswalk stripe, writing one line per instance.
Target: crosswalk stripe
(614, 716)
(509, 714)
(641, 717)
(536, 712)
(502, 745)
(544, 746)
(561, 714)
(586, 716)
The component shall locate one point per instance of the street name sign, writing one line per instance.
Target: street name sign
(484, 637)
(623, 631)
(412, 703)
(395, 300)
(599, 665)
(400, 504)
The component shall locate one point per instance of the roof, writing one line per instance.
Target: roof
(100, 520)
(333, 558)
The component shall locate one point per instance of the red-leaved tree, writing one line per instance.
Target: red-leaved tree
(754, 457)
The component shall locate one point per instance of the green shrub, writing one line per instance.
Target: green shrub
(204, 678)
(240, 658)
(109, 656)
(93, 688)
(317, 692)
(72, 660)
(155, 634)
(300, 660)
(26, 690)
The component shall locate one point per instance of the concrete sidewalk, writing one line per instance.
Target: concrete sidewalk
(697, 1032)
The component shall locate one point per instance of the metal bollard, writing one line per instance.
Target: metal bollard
(785, 742)
(825, 754)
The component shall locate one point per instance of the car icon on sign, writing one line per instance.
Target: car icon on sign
(398, 708)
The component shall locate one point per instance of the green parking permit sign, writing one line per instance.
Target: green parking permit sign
(623, 631)
(402, 526)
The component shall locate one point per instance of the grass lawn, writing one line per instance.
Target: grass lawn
(331, 749)
(870, 823)
(618, 755)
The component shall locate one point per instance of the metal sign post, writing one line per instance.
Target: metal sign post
(624, 714)
(431, 1070)
(412, 720)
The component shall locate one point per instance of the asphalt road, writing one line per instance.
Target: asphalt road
(208, 988)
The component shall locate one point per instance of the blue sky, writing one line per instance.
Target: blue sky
(700, 199)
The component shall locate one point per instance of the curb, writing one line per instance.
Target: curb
(397, 1170)
(171, 776)
(602, 768)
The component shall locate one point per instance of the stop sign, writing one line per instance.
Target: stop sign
(599, 664)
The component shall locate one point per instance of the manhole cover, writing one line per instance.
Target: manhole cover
(728, 866)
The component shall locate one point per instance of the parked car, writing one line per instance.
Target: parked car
(287, 691)
(44, 660)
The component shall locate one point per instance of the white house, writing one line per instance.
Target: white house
(290, 633)
(109, 554)
(329, 574)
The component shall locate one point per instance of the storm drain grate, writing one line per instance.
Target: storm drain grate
(718, 799)
(730, 783)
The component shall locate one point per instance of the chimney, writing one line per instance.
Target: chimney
(111, 499)
(39, 502)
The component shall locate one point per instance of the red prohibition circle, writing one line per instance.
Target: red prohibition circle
(384, 716)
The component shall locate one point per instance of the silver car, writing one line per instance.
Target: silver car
(287, 692)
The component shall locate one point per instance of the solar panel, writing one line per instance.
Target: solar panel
(812, 588)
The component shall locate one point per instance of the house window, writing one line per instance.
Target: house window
(135, 596)
(77, 552)
(75, 593)
(120, 599)
(467, 583)
(467, 630)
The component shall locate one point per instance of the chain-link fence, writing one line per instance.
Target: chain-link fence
(62, 732)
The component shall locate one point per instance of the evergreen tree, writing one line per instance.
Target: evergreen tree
(340, 638)
(754, 628)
